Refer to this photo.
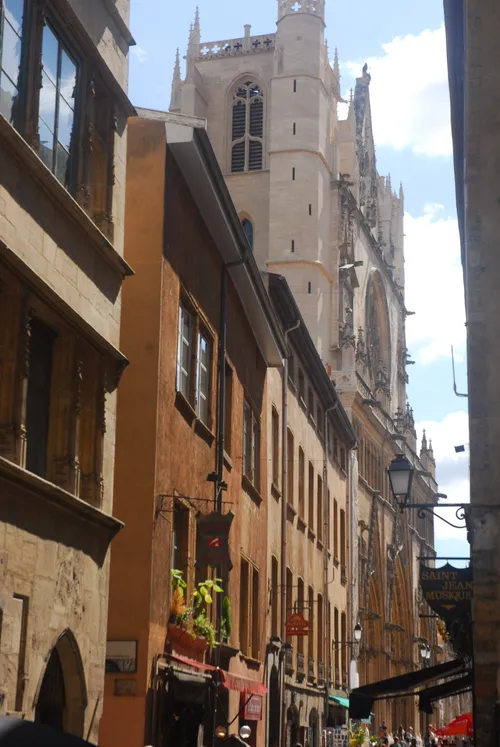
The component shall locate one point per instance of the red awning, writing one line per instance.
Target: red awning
(230, 681)
(241, 684)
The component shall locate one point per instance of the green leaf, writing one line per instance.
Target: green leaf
(203, 591)
(208, 599)
(218, 589)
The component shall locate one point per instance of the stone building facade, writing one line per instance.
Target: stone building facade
(308, 507)
(172, 441)
(471, 31)
(63, 115)
(306, 186)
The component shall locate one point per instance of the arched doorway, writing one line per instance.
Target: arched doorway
(274, 708)
(61, 700)
(314, 740)
(292, 726)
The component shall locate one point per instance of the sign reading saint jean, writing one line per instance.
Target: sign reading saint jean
(447, 590)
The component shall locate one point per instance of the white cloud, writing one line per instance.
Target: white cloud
(409, 93)
(140, 53)
(434, 286)
(452, 467)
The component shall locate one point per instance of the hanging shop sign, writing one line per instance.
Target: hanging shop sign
(297, 625)
(447, 590)
(252, 707)
(213, 540)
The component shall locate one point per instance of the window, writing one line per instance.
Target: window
(343, 463)
(310, 402)
(294, 128)
(295, 86)
(309, 287)
(101, 158)
(184, 352)
(293, 245)
(335, 530)
(291, 368)
(247, 128)
(289, 596)
(244, 606)
(255, 615)
(336, 645)
(345, 648)
(180, 539)
(251, 445)
(293, 173)
(311, 497)
(274, 596)
(11, 35)
(310, 641)
(57, 106)
(228, 409)
(275, 425)
(203, 379)
(248, 229)
(302, 480)
(310, 209)
(328, 519)
(301, 611)
(290, 468)
(38, 397)
(319, 419)
(302, 385)
(321, 518)
(321, 629)
(343, 563)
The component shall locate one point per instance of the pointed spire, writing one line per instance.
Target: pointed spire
(196, 27)
(336, 66)
(176, 84)
(423, 450)
(430, 451)
(401, 193)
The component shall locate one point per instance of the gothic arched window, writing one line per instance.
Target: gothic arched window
(247, 128)
(248, 228)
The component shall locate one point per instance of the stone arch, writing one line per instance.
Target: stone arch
(292, 724)
(248, 226)
(314, 726)
(274, 707)
(61, 696)
(241, 80)
(378, 333)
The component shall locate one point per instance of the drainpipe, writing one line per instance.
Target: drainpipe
(351, 519)
(326, 528)
(284, 501)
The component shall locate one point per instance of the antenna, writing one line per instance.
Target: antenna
(454, 379)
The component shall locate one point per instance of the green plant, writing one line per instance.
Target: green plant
(203, 592)
(225, 623)
(177, 580)
(203, 628)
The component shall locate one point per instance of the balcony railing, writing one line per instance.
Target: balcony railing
(311, 674)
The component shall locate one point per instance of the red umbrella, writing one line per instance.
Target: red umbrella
(460, 726)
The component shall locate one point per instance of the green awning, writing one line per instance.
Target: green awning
(344, 702)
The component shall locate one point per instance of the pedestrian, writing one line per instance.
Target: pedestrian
(382, 732)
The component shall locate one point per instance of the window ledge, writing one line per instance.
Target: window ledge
(312, 420)
(251, 490)
(292, 384)
(301, 524)
(185, 408)
(59, 497)
(253, 663)
(320, 545)
(311, 535)
(275, 491)
(228, 462)
(204, 431)
(62, 198)
(336, 562)
(291, 512)
(302, 403)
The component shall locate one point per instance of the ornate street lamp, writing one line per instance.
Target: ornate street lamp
(358, 632)
(401, 477)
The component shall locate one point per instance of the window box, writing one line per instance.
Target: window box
(181, 642)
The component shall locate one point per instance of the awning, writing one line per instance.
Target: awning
(226, 679)
(344, 702)
(361, 699)
(444, 690)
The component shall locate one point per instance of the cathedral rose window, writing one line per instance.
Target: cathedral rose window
(247, 131)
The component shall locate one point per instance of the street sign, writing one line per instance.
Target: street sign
(297, 625)
(447, 590)
(213, 540)
(252, 710)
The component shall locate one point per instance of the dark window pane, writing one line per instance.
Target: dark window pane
(8, 94)
(11, 52)
(239, 116)
(257, 118)
(248, 228)
(62, 164)
(46, 145)
(255, 155)
(14, 10)
(68, 78)
(48, 102)
(238, 157)
(50, 53)
(65, 123)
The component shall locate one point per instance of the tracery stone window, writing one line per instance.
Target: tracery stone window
(247, 128)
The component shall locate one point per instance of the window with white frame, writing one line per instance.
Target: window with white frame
(203, 378)
(184, 351)
(251, 445)
(247, 128)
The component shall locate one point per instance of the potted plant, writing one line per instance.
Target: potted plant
(190, 630)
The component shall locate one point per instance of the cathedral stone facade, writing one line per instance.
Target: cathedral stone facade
(316, 211)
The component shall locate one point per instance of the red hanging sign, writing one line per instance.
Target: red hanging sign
(297, 625)
(252, 707)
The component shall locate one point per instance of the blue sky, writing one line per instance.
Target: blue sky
(403, 44)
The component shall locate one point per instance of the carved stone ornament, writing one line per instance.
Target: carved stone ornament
(348, 338)
(382, 379)
(361, 353)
